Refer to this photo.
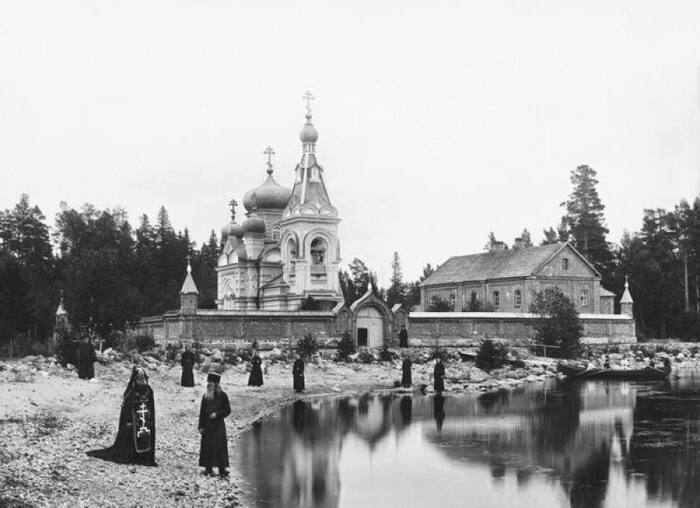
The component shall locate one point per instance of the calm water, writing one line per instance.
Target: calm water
(612, 444)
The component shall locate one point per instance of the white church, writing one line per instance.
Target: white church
(287, 249)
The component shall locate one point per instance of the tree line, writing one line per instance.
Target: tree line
(110, 274)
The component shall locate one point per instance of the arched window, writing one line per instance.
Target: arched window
(291, 254)
(276, 233)
(565, 263)
(518, 298)
(318, 251)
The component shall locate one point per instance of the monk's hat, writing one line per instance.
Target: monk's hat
(213, 378)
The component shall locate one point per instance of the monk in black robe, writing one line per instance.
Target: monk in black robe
(439, 376)
(86, 360)
(256, 376)
(187, 361)
(298, 374)
(213, 451)
(403, 337)
(406, 380)
(136, 438)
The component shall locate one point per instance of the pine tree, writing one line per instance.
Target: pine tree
(550, 237)
(584, 220)
(397, 290)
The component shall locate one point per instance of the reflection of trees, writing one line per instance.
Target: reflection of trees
(665, 446)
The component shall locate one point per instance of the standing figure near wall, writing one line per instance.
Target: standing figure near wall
(298, 373)
(439, 376)
(403, 337)
(187, 361)
(256, 375)
(406, 380)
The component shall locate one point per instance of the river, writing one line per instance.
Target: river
(578, 444)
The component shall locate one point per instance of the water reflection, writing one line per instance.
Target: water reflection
(581, 445)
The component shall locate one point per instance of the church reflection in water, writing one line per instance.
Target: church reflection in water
(596, 444)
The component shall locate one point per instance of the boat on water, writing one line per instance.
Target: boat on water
(577, 371)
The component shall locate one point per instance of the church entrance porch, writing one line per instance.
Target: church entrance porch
(370, 328)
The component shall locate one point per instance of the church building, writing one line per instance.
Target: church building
(287, 249)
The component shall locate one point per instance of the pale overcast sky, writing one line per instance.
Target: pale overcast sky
(439, 121)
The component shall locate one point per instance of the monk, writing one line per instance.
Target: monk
(406, 381)
(86, 359)
(439, 376)
(403, 337)
(256, 375)
(213, 451)
(136, 438)
(298, 374)
(187, 362)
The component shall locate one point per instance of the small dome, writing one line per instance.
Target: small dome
(254, 224)
(231, 229)
(308, 134)
(269, 195)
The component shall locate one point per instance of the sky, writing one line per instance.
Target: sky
(439, 121)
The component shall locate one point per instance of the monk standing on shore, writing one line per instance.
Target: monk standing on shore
(213, 451)
(298, 373)
(439, 376)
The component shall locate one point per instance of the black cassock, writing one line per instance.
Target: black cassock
(187, 362)
(438, 377)
(406, 380)
(256, 377)
(213, 451)
(403, 338)
(136, 438)
(86, 361)
(298, 373)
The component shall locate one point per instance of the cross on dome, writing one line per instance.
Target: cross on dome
(233, 204)
(308, 97)
(269, 152)
(189, 267)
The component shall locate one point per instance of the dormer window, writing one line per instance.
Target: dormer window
(565, 263)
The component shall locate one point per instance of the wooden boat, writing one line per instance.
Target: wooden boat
(573, 371)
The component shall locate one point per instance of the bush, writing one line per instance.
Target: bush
(438, 304)
(491, 354)
(172, 351)
(346, 346)
(387, 355)
(307, 346)
(144, 343)
(558, 324)
(439, 352)
(365, 356)
(309, 304)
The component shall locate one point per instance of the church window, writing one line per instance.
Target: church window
(291, 254)
(318, 251)
(584, 298)
(518, 298)
(276, 233)
(565, 263)
(496, 299)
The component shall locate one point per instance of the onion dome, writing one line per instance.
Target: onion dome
(232, 228)
(309, 134)
(270, 194)
(254, 224)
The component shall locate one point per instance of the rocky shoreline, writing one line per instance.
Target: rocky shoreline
(49, 418)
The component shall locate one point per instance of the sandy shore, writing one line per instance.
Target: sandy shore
(49, 418)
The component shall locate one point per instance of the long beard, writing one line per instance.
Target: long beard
(210, 393)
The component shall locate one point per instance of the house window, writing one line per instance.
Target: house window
(496, 299)
(518, 298)
(584, 298)
(452, 301)
(565, 263)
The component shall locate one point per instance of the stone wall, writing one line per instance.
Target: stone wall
(242, 327)
(464, 329)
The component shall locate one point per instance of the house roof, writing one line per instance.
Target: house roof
(605, 292)
(522, 262)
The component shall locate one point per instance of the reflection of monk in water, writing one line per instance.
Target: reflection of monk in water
(406, 410)
(299, 408)
(439, 410)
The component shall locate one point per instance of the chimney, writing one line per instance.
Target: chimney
(519, 243)
(498, 246)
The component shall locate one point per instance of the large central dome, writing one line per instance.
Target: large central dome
(268, 195)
